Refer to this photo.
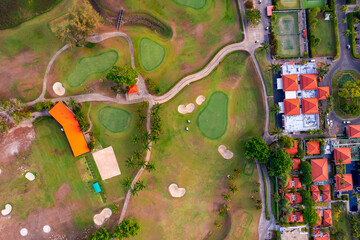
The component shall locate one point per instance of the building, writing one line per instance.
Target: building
(300, 107)
(327, 221)
(293, 183)
(294, 150)
(344, 183)
(313, 148)
(342, 155)
(71, 128)
(354, 131)
(294, 198)
(320, 170)
(296, 217)
(322, 195)
(296, 163)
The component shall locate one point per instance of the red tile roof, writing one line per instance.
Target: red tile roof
(323, 93)
(296, 163)
(292, 151)
(299, 217)
(308, 81)
(291, 107)
(344, 154)
(293, 183)
(320, 169)
(316, 196)
(327, 218)
(298, 198)
(291, 218)
(310, 106)
(354, 131)
(314, 188)
(326, 196)
(321, 238)
(289, 196)
(347, 183)
(313, 147)
(269, 10)
(317, 231)
(133, 89)
(318, 223)
(290, 82)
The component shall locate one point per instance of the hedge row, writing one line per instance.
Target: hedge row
(350, 19)
(337, 43)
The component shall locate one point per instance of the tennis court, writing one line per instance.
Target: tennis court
(289, 4)
(313, 4)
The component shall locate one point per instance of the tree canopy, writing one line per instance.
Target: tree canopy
(257, 148)
(281, 163)
(79, 24)
(253, 16)
(350, 89)
(123, 76)
(286, 141)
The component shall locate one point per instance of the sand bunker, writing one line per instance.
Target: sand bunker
(46, 229)
(0, 171)
(175, 191)
(99, 219)
(24, 232)
(58, 89)
(200, 100)
(225, 153)
(186, 109)
(7, 210)
(30, 176)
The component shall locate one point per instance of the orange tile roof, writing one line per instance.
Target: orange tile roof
(320, 169)
(314, 188)
(321, 238)
(289, 196)
(326, 187)
(313, 147)
(354, 131)
(269, 10)
(292, 151)
(323, 93)
(318, 223)
(133, 89)
(310, 106)
(71, 128)
(291, 218)
(347, 183)
(299, 217)
(316, 196)
(293, 183)
(327, 218)
(296, 163)
(326, 196)
(298, 198)
(290, 82)
(344, 154)
(308, 81)
(291, 107)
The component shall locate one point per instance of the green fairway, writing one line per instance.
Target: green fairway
(313, 4)
(264, 66)
(114, 119)
(325, 31)
(90, 65)
(196, 4)
(151, 54)
(212, 121)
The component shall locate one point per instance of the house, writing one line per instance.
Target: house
(269, 10)
(296, 163)
(327, 221)
(308, 82)
(342, 155)
(322, 238)
(313, 148)
(323, 93)
(290, 82)
(293, 183)
(294, 150)
(326, 193)
(320, 170)
(293, 198)
(344, 183)
(296, 217)
(310, 106)
(318, 223)
(354, 131)
(291, 107)
(315, 193)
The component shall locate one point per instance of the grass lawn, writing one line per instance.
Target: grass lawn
(87, 66)
(272, 115)
(196, 4)
(313, 4)
(341, 225)
(114, 119)
(264, 66)
(334, 84)
(289, 4)
(151, 54)
(191, 160)
(213, 119)
(325, 31)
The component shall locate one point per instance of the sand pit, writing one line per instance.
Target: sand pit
(24, 232)
(46, 229)
(175, 191)
(200, 100)
(100, 218)
(58, 89)
(7, 210)
(30, 176)
(225, 153)
(186, 109)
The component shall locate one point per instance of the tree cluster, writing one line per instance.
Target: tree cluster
(257, 148)
(155, 123)
(281, 163)
(286, 141)
(124, 77)
(305, 176)
(12, 111)
(79, 115)
(310, 215)
(126, 229)
(46, 105)
(153, 87)
(253, 16)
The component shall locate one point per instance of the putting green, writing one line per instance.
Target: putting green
(87, 66)
(212, 121)
(114, 119)
(196, 4)
(151, 54)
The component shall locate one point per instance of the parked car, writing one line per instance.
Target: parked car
(256, 41)
(348, 46)
(346, 122)
(259, 1)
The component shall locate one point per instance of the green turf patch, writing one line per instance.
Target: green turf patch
(87, 66)
(196, 4)
(289, 4)
(151, 54)
(345, 78)
(114, 119)
(313, 4)
(325, 31)
(212, 121)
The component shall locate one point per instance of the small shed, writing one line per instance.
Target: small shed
(327, 16)
(269, 10)
(97, 187)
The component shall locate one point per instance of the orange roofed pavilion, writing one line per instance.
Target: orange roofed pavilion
(310, 106)
(320, 169)
(292, 106)
(133, 89)
(323, 93)
(313, 147)
(290, 82)
(354, 131)
(308, 82)
(344, 183)
(343, 154)
(71, 128)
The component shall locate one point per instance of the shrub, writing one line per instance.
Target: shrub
(249, 4)
(345, 197)
(152, 86)
(352, 35)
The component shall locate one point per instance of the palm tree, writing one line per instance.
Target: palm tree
(126, 182)
(150, 166)
(278, 132)
(274, 68)
(226, 197)
(146, 146)
(72, 103)
(130, 162)
(136, 139)
(140, 185)
(233, 188)
(137, 154)
(265, 46)
(141, 163)
(347, 33)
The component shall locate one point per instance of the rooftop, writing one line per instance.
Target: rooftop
(308, 68)
(323, 93)
(293, 183)
(344, 183)
(310, 106)
(133, 89)
(354, 131)
(296, 163)
(294, 150)
(308, 82)
(297, 123)
(290, 82)
(327, 218)
(320, 169)
(342, 155)
(313, 147)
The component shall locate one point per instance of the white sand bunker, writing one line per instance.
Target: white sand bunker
(30, 176)
(0, 171)
(24, 232)
(58, 89)
(46, 229)
(200, 100)
(100, 218)
(7, 210)
(175, 191)
(186, 109)
(225, 153)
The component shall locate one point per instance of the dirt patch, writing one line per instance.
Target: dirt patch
(17, 140)
(63, 191)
